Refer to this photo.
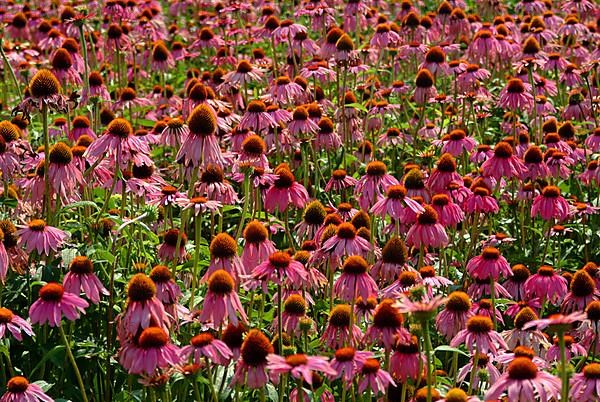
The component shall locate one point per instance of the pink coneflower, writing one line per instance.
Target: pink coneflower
(449, 213)
(256, 117)
(63, 67)
(585, 386)
(326, 137)
(547, 285)
(484, 46)
(522, 381)
(294, 310)
(444, 174)
(432, 280)
(373, 184)
(339, 330)
(582, 291)
(384, 37)
(503, 163)
(457, 143)
(354, 280)
(300, 366)
(38, 236)
(143, 308)
(407, 362)
(215, 187)
(18, 389)
(167, 290)
(479, 336)
(572, 349)
(201, 147)
(81, 278)
(458, 395)
(96, 89)
(9, 322)
(550, 205)
(387, 328)
(373, 377)
(516, 95)
(63, 174)
(347, 362)
(161, 57)
(515, 284)
(340, 181)
(250, 368)
(592, 142)
(427, 231)
(243, 74)
(224, 255)
(489, 264)
(206, 346)
(53, 303)
(300, 125)
(453, 318)
(535, 166)
(118, 142)
(285, 190)
(284, 91)
(171, 132)
(257, 246)
(393, 260)
(150, 351)
(425, 89)
(395, 203)
(168, 251)
(346, 242)
(280, 268)
(480, 201)
(221, 301)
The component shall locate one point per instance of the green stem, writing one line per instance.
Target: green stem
(197, 240)
(211, 382)
(428, 348)
(73, 363)
(47, 198)
(12, 72)
(563, 367)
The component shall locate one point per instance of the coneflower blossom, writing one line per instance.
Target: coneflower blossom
(547, 285)
(355, 280)
(453, 318)
(489, 264)
(81, 278)
(373, 377)
(250, 369)
(339, 331)
(550, 205)
(221, 301)
(143, 308)
(373, 185)
(300, 366)
(54, 303)
(280, 268)
(285, 190)
(522, 381)
(503, 163)
(18, 389)
(479, 336)
(38, 236)
(150, 351)
(13, 324)
(205, 345)
(387, 328)
(427, 231)
(347, 362)
(201, 147)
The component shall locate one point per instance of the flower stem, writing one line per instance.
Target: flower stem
(563, 367)
(211, 383)
(429, 372)
(46, 208)
(197, 240)
(73, 363)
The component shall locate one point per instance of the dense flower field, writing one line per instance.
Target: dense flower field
(308, 200)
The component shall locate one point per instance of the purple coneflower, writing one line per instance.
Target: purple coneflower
(53, 303)
(18, 389)
(221, 301)
(205, 345)
(81, 278)
(38, 236)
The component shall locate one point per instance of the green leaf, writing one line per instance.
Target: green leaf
(446, 348)
(357, 106)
